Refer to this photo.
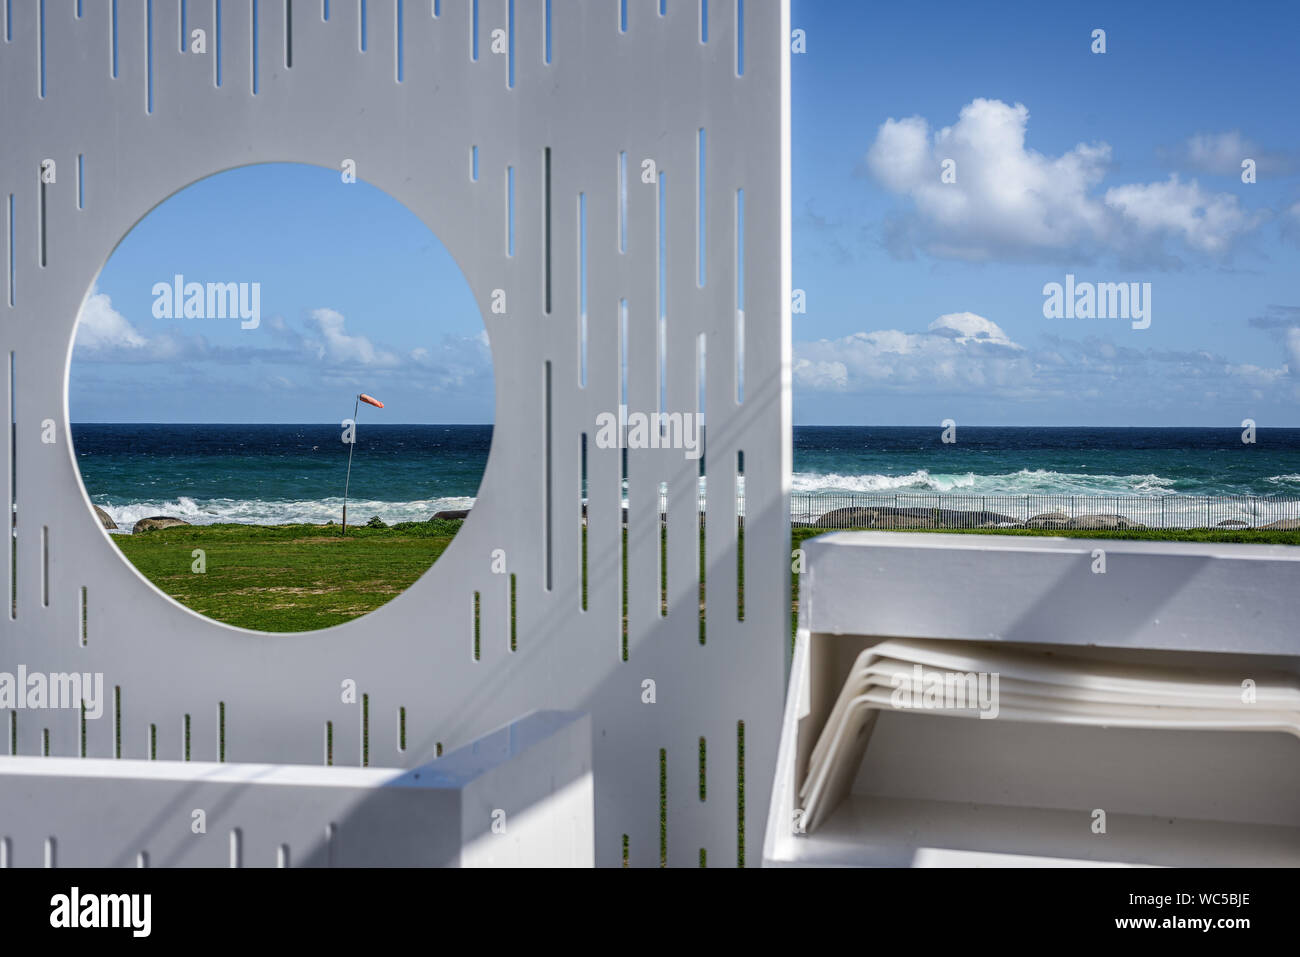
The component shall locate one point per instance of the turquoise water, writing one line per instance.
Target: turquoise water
(269, 474)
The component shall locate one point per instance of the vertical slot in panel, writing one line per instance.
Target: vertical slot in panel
(662, 538)
(255, 75)
(401, 729)
(13, 732)
(740, 296)
(622, 16)
(288, 33)
(661, 337)
(625, 842)
(83, 619)
(701, 207)
(41, 244)
(546, 34)
(117, 721)
(473, 31)
(236, 848)
(142, 859)
(622, 202)
(51, 852)
(6, 852)
(185, 730)
(704, 21)
(329, 744)
(546, 230)
(112, 37)
(365, 730)
(45, 742)
(40, 16)
(740, 37)
(182, 26)
(581, 290)
(663, 807)
(82, 745)
(399, 29)
(510, 44)
(704, 759)
(514, 611)
(216, 41)
(81, 181)
(13, 490)
(362, 24)
(547, 472)
(473, 164)
(9, 231)
(282, 856)
(477, 648)
(148, 54)
(701, 479)
(582, 497)
(624, 492)
(510, 210)
(45, 566)
(153, 742)
(740, 536)
(740, 794)
(221, 731)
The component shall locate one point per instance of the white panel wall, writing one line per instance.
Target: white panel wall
(645, 92)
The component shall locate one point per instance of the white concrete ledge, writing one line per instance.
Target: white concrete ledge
(1189, 596)
(520, 796)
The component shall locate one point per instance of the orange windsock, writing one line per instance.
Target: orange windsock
(370, 400)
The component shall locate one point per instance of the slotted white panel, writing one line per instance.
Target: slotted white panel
(647, 92)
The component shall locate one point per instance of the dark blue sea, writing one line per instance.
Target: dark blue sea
(271, 474)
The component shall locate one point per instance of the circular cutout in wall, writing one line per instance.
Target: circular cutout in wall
(264, 348)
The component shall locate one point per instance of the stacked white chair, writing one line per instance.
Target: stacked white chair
(1030, 686)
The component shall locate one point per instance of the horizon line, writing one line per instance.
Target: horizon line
(804, 425)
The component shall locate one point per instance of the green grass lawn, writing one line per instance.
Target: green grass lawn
(302, 577)
(287, 577)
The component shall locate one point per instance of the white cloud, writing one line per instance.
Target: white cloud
(1222, 154)
(966, 355)
(960, 350)
(455, 362)
(337, 346)
(1012, 201)
(100, 327)
(967, 327)
(1218, 152)
(1207, 222)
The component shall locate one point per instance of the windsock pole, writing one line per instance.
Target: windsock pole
(351, 447)
(369, 400)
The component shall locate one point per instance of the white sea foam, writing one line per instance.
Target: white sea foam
(256, 512)
(1024, 481)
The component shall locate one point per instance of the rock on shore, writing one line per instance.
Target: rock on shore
(104, 518)
(891, 517)
(1284, 525)
(1103, 522)
(156, 522)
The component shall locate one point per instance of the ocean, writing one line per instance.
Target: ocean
(273, 474)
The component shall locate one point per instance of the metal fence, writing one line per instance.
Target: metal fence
(910, 510)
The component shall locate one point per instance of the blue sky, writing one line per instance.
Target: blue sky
(356, 294)
(924, 298)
